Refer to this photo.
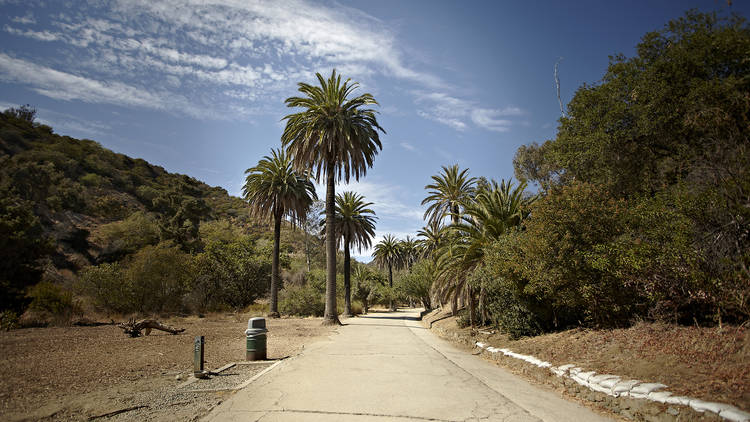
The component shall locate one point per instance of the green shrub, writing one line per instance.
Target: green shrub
(159, 276)
(93, 180)
(106, 285)
(121, 238)
(234, 274)
(301, 301)
(8, 320)
(357, 307)
(50, 301)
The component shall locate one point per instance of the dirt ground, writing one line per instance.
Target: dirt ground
(711, 364)
(75, 373)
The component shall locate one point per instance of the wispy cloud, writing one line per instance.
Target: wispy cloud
(387, 199)
(408, 146)
(459, 113)
(223, 46)
(218, 58)
(66, 86)
(28, 18)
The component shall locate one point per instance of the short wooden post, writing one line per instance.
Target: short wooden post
(198, 354)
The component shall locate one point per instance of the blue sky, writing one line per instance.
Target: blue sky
(198, 86)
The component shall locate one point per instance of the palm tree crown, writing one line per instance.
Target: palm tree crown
(447, 194)
(355, 223)
(274, 189)
(387, 252)
(333, 132)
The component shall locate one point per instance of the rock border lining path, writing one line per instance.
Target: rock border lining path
(616, 386)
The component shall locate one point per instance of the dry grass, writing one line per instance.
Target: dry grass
(707, 363)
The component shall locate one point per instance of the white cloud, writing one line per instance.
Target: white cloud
(66, 86)
(490, 119)
(213, 57)
(387, 199)
(37, 35)
(25, 20)
(408, 146)
(458, 113)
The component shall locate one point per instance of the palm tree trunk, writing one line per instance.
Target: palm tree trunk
(274, 306)
(454, 302)
(347, 281)
(470, 300)
(390, 284)
(330, 316)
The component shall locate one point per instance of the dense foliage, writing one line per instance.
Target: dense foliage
(643, 204)
(95, 228)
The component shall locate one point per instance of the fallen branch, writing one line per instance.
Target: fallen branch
(116, 412)
(133, 328)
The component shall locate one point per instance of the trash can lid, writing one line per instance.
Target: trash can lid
(256, 323)
(255, 331)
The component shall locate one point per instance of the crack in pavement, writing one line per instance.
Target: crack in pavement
(377, 415)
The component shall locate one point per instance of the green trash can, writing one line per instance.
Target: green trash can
(256, 339)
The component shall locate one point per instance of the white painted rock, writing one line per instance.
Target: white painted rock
(584, 376)
(604, 380)
(624, 387)
(735, 415)
(702, 406)
(646, 388)
(681, 400)
(557, 371)
(660, 396)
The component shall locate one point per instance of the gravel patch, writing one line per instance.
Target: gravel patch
(228, 379)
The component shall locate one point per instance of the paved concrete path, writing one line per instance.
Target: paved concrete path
(387, 367)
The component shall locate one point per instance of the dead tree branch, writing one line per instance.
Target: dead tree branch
(557, 85)
(133, 328)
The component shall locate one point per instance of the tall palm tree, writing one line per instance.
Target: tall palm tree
(274, 189)
(355, 226)
(409, 252)
(387, 254)
(447, 194)
(336, 137)
(431, 238)
(496, 209)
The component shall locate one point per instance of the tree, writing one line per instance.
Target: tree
(336, 137)
(417, 282)
(387, 254)
(22, 245)
(274, 189)
(355, 226)
(365, 283)
(181, 210)
(409, 251)
(432, 237)
(448, 193)
(446, 196)
(496, 209)
(311, 226)
(25, 112)
(671, 123)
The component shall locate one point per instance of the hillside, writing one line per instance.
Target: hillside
(68, 204)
